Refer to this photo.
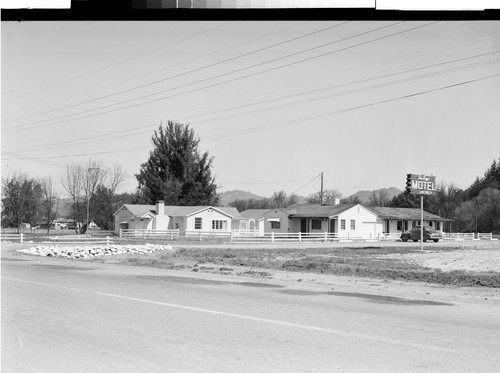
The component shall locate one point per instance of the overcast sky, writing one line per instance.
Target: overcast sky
(275, 103)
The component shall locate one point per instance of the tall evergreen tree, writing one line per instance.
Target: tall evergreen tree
(175, 171)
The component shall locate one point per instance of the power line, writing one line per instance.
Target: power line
(101, 137)
(303, 119)
(221, 75)
(267, 181)
(174, 65)
(117, 63)
(308, 118)
(176, 76)
(215, 84)
(344, 85)
(302, 187)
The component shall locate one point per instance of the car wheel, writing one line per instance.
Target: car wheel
(404, 239)
(415, 240)
(425, 240)
(435, 240)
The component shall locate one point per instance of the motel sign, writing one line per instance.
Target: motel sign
(421, 184)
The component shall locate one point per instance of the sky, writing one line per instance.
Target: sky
(275, 103)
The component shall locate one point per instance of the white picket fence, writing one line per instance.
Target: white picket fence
(18, 237)
(255, 236)
(170, 234)
(250, 236)
(79, 240)
(468, 236)
(207, 234)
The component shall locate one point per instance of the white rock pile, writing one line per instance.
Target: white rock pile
(85, 252)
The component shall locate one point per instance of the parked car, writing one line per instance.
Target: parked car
(414, 235)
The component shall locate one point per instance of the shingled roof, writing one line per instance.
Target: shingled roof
(400, 213)
(254, 213)
(317, 211)
(141, 210)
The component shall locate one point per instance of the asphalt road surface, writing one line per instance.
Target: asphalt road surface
(64, 316)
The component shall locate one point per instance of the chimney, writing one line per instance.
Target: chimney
(160, 207)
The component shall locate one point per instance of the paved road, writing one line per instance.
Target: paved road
(63, 316)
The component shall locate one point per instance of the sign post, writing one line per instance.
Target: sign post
(422, 222)
(423, 185)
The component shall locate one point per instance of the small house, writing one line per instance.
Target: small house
(253, 221)
(343, 220)
(398, 219)
(183, 218)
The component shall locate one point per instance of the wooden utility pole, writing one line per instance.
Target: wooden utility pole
(321, 192)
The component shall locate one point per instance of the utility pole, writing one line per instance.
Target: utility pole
(88, 196)
(321, 192)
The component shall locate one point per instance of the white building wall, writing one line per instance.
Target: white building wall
(134, 222)
(161, 220)
(207, 217)
(283, 219)
(364, 222)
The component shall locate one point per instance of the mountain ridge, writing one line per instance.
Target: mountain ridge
(363, 195)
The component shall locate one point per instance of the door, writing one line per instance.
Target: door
(332, 226)
(303, 226)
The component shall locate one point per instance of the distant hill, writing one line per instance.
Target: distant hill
(232, 195)
(364, 195)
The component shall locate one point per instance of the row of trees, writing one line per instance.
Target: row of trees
(475, 209)
(178, 173)
(91, 187)
(28, 200)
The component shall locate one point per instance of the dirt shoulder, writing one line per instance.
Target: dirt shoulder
(395, 273)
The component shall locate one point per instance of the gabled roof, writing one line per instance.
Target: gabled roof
(254, 213)
(142, 210)
(401, 213)
(317, 211)
(138, 210)
(191, 210)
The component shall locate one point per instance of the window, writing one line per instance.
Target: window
(342, 224)
(316, 224)
(353, 225)
(275, 225)
(399, 225)
(438, 226)
(198, 223)
(219, 224)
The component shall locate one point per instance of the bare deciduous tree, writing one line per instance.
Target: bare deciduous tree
(85, 183)
(379, 198)
(50, 201)
(279, 198)
(329, 197)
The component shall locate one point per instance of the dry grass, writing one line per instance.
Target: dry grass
(371, 261)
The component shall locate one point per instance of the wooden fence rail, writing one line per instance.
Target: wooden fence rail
(79, 240)
(255, 236)
(149, 234)
(251, 236)
(12, 237)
